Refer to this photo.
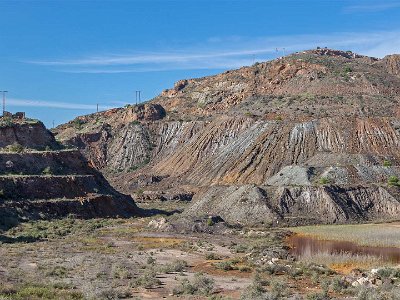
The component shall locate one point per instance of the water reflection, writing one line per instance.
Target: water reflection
(302, 246)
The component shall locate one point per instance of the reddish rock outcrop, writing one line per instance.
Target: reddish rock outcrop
(392, 63)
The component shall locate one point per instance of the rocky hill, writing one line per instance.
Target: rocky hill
(309, 138)
(40, 179)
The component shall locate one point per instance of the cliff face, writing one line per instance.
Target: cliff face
(322, 123)
(392, 63)
(29, 134)
(39, 179)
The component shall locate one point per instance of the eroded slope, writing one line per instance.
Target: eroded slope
(323, 123)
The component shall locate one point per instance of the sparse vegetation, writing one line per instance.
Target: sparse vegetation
(47, 171)
(387, 163)
(324, 180)
(393, 181)
(15, 147)
(36, 292)
(201, 285)
(381, 235)
(136, 122)
(347, 69)
(178, 265)
(227, 265)
(147, 280)
(78, 123)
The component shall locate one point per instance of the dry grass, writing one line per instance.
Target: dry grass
(344, 262)
(379, 235)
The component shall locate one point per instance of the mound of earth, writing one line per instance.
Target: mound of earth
(315, 134)
(40, 179)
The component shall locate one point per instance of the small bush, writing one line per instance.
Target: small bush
(58, 271)
(324, 180)
(201, 285)
(78, 124)
(178, 265)
(245, 268)
(147, 280)
(338, 284)
(393, 181)
(16, 147)
(121, 273)
(213, 256)
(255, 290)
(387, 163)
(241, 248)
(151, 260)
(347, 69)
(388, 273)
(47, 171)
(226, 265)
(275, 269)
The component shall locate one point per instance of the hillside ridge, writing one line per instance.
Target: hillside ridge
(309, 120)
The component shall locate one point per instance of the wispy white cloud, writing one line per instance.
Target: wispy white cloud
(53, 104)
(371, 7)
(226, 53)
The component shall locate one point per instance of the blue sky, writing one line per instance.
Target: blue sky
(60, 58)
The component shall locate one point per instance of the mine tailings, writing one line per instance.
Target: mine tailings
(301, 246)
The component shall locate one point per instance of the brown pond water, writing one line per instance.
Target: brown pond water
(307, 246)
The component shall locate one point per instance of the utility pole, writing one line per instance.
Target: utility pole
(4, 100)
(137, 95)
(97, 107)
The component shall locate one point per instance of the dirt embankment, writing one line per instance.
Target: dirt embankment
(37, 183)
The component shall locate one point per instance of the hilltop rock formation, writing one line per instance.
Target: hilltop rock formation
(313, 137)
(392, 63)
(39, 179)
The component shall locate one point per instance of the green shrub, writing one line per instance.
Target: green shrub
(147, 280)
(226, 265)
(324, 180)
(16, 147)
(347, 69)
(58, 271)
(255, 290)
(178, 265)
(78, 123)
(393, 181)
(201, 285)
(213, 256)
(47, 171)
(338, 284)
(245, 268)
(36, 292)
(387, 163)
(151, 260)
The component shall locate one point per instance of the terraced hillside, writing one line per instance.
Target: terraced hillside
(309, 138)
(40, 179)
